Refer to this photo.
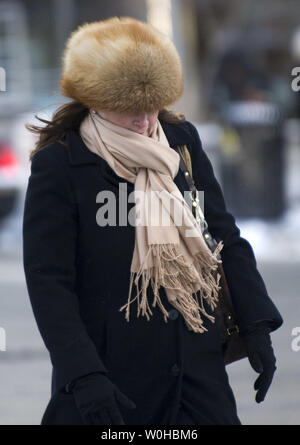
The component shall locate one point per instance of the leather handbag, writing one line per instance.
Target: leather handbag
(232, 343)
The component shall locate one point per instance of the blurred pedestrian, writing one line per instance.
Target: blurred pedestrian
(164, 364)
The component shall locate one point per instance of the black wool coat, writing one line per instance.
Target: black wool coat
(77, 274)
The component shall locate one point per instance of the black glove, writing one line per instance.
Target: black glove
(96, 398)
(261, 357)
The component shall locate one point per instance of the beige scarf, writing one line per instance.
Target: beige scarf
(172, 255)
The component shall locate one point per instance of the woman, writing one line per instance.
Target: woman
(126, 309)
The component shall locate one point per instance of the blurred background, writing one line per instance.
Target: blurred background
(238, 57)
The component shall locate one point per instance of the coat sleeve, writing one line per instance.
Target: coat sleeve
(249, 294)
(49, 260)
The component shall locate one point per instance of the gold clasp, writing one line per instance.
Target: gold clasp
(197, 213)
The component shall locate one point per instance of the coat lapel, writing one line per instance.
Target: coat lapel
(78, 152)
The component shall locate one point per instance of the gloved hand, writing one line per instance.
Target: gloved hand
(96, 398)
(262, 359)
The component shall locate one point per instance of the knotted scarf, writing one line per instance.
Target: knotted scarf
(173, 254)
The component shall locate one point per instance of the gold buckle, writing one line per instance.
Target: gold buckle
(196, 205)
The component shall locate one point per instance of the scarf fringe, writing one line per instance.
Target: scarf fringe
(182, 279)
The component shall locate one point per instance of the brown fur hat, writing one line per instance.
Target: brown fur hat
(121, 64)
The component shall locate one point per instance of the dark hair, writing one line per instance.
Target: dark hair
(69, 116)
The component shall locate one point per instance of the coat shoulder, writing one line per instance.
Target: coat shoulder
(190, 129)
(182, 133)
(54, 154)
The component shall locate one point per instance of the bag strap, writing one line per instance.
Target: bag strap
(226, 312)
(196, 208)
(186, 171)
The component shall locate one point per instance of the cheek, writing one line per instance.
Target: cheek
(125, 122)
(129, 122)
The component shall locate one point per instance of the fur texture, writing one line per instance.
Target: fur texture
(121, 64)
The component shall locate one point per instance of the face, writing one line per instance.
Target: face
(140, 123)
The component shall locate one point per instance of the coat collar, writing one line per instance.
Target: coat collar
(80, 154)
